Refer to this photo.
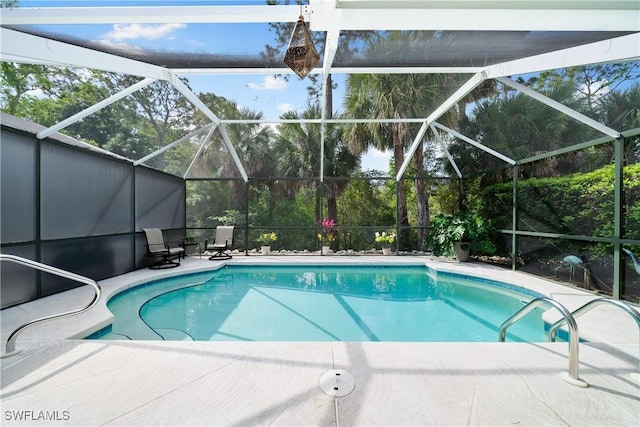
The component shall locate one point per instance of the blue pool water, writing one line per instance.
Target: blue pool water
(322, 303)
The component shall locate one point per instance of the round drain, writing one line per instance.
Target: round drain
(337, 382)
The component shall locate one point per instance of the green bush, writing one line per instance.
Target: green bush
(463, 226)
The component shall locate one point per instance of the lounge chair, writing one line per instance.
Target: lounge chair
(157, 248)
(222, 243)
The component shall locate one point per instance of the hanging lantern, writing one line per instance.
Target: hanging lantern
(301, 54)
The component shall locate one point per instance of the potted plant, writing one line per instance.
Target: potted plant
(327, 234)
(386, 239)
(459, 234)
(266, 239)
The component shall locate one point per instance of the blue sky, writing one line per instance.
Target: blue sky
(263, 93)
(268, 94)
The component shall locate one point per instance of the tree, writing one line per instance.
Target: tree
(299, 148)
(9, 3)
(251, 140)
(591, 82)
(166, 109)
(395, 96)
(365, 202)
(17, 81)
(622, 112)
(519, 127)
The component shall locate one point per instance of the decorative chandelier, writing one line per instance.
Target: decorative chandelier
(301, 54)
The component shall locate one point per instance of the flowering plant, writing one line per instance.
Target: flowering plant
(385, 238)
(267, 238)
(328, 232)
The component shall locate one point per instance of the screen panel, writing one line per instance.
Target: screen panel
(83, 194)
(160, 200)
(97, 258)
(19, 283)
(17, 188)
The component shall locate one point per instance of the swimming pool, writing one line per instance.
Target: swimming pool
(322, 303)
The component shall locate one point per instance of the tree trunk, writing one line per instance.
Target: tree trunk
(329, 108)
(422, 196)
(403, 215)
(332, 211)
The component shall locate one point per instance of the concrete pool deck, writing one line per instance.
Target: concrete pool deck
(55, 380)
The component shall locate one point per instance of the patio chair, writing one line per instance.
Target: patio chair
(223, 241)
(157, 248)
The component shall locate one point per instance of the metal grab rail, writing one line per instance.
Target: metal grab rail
(572, 376)
(10, 348)
(588, 307)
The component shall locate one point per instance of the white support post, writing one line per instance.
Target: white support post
(234, 154)
(412, 150)
(330, 48)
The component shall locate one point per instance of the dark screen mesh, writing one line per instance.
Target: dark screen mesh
(18, 189)
(160, 200)
(83, 194)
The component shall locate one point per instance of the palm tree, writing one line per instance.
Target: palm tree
(299, 155)
(622, 112)
(520, 127)
(395, 96)
(252, 142)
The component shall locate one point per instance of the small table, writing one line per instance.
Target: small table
(186, 245)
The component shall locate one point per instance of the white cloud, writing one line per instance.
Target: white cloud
(269, 83)
(136, 31)
(120, 46)
(283, 108)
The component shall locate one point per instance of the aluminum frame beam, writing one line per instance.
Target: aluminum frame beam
(204, 143)
(173, 144)
(446, 151)
(187, 93)
(150, 14)
(37, 48)
(617, 49)
(560, 107)
(100, 105)
(331, 47)
(462, 91)
(619, 15)
(475, 144)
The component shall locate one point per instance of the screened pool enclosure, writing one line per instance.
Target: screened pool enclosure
(183, 116)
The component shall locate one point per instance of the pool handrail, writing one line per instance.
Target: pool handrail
(588, 307)
(10, 348)
(572, 376)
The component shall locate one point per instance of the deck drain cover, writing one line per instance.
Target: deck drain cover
(336, 382)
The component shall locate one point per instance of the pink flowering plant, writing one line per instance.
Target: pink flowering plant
(328, 233)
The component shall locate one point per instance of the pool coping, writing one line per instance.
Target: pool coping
(615, 330)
